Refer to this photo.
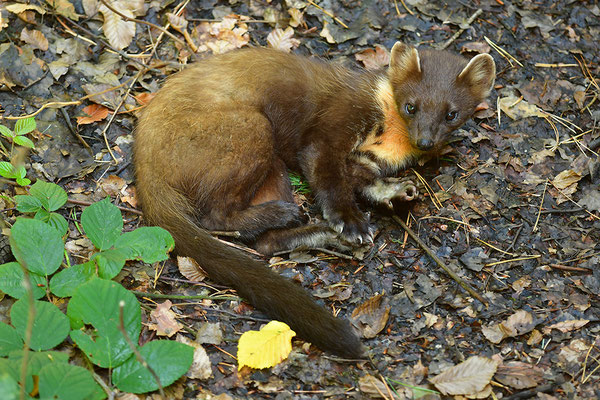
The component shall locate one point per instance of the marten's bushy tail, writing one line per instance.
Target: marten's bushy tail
(276, 296)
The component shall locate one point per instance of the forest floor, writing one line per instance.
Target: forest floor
(513, 208)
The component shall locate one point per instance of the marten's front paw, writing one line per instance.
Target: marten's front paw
(353, 225)
(386, 189)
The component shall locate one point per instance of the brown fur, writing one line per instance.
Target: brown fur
(213, 147)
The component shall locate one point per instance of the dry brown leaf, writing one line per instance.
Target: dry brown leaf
(94, 113)
(535, 337)
(485, 393)
(518, 109)
(373, 59)
(519, 375)
(64, 8)
(566, 178)
(144, 98)
(118, 31)
(371, 316)
(220, 37)
(164, 322)
(476, 47)
(297, 17)
(566, 326)
(35, 38)
(374, 387)
(189, 268)
(517, 324)
(112, 185)
(18, 8)
(283, 40)
(201, 366)
(467, 378)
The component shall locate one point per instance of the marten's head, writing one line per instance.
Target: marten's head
(436, 91)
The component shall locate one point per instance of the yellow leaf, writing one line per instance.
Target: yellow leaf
(267, 347)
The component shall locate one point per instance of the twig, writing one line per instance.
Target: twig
(502, 52)
(336, 19)
(406, 8)
(461, 30)
(113, 115)
(527, 257)
(75, 133)
(233, 234)
(28, 331)
(439, 262)
(89, 203)
(559, 65)
(537, 220)
(135, 350)
(334, 253)
(182, 297)
(569, 268)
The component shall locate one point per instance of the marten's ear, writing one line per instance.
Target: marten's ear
(404, 61)
(479, 75)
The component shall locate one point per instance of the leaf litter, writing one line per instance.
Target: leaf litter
(521, 180)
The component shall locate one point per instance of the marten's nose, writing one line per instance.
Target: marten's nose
(425, 144)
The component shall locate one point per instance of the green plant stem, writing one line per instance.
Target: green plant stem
(28, 331)
(181, 297)
(137, 353)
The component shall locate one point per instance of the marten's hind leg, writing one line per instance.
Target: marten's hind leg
(271, 207)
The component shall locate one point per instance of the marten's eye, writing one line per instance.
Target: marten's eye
(410, 108)
(451, 116)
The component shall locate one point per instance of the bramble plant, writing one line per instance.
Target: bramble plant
(93, 312)
(22, 127)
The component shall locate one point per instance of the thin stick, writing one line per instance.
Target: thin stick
(89, 203)
(182, 297)
(114, 114)
(135, 350)
(535, 226)
(513, 259)
(461, 30)
(336, 19)
(439, 262)
(502, 52)
(559, 65)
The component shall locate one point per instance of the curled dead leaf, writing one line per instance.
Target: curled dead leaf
(189, 268)
(93, 113)
(467, 378)
(566, 326)
(517, 324)
(164, 320)
(283, 39)
(35, 38)
(519, 375)
(371, 316)
(374, 59)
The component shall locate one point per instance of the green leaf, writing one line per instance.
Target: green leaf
(110, 262)
(169, 359)
(64, 283)
(102, 223)
(36, 361)
(9, 387)
(36, 245)
(65, 382)
(9, 340)
(12, 279)
(149, 244)
(23, 181)
(53, 219)
(20, 172)
(26, 125)
(7, 170)
(97, 303)
(50, 325)
(49, 194)
(24, 141)
(27, 204)
(6, 132)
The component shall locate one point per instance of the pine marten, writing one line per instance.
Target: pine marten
(213, 149)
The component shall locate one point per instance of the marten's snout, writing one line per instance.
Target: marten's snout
(425, 144)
